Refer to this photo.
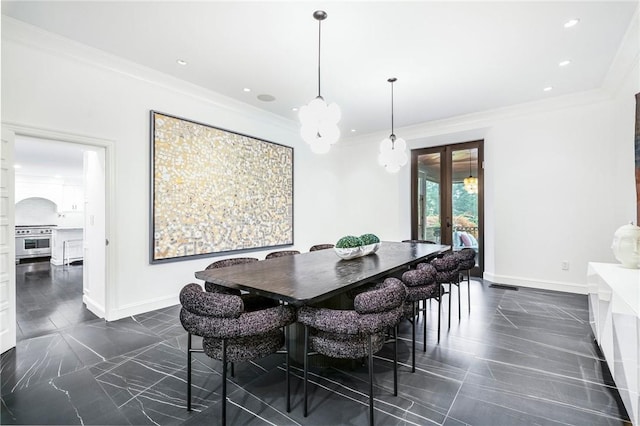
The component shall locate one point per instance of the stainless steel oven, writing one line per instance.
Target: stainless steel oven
(33, 241)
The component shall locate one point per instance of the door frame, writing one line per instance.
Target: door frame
(446, 193)
(108, 146)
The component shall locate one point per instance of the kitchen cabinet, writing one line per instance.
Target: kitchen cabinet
(72, 198)
(66, 245)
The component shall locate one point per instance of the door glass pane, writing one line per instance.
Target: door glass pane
(429, 191)
(464, 199)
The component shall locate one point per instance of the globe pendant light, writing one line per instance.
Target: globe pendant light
(471, 183)
(393, 151)
(319, 120)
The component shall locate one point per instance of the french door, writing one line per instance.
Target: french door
(447, 197)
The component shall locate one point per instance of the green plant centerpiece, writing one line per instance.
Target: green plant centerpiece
(349, 242)
(350, 247)
(370, 243)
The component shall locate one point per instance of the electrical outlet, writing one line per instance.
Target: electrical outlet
(565, 265)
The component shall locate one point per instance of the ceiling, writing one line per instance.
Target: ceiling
(450, 57)
(48, 159)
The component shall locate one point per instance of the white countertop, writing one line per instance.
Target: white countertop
(67, 228)
(625, 282)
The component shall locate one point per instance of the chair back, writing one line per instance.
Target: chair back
(215, 288)
(281, 253)
(321, 247)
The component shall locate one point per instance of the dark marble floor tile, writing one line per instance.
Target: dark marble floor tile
(98, 341)
(36, 360)
(75, 398)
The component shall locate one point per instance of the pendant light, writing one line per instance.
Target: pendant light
(319, 120)
(393, 151)
(471, 183)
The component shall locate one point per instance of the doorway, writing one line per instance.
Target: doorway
(68, 286)
(447, 197)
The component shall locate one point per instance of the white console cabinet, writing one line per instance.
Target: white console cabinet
(66, 245)
(614, 308)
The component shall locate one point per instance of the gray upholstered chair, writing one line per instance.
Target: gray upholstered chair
(321, 247)
(467, 261)
(281, 253)
(211, 287)
(231, 333)
(357, 333)
(447, 273)
(421, 285)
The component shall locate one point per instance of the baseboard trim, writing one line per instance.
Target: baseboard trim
(142, 307)
(95, 308)
(541, 284)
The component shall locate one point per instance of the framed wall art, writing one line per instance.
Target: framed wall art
(214, 191)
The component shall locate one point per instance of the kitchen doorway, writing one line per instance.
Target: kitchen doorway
(66, 285)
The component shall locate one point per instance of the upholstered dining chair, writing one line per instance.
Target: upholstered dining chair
(281, 253)
(447, 273)
(421, 285)
(357, 333)
(231, 333)
(321, 247)
(466, 262)
(224, 263)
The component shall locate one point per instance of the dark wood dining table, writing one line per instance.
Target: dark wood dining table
(312, 277)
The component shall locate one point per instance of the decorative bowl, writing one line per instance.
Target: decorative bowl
(370, 248)
(348, 253)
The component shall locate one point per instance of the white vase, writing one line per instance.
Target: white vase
(626, 246)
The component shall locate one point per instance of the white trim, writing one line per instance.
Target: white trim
(537, 283)
(144, 306)
(110, 190)
(97, 309)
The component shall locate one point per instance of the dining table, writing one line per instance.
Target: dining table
(320, 278)
(309, 278)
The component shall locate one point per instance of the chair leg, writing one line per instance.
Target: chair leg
(450, 291)
(459, 305)
(233, 370)
(439, 309)
(224, 382)
(370, 382)
(188, 371)
(469, 288)
(413, 338)
(287, 363)
(306, 366)
(395, 361)
(424, 327)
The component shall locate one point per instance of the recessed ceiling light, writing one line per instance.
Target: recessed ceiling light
(181, 62)
(353, 130)
(266, 98)
(571, 23)
(57, 176)
(548, 89)
(564, 63)
(17, 166)
(294, 109)
(246, 89)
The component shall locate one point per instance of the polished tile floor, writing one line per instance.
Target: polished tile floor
(521, 357)
(48, 298)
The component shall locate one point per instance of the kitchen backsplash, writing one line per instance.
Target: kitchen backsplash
(40, 211)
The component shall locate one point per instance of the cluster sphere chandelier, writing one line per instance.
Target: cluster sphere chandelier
(471, 183)
(393, 151)
(319, 120)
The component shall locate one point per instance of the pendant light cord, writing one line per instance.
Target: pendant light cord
(319, 37)
(392, 134)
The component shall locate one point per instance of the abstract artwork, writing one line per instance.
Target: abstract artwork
(215, 191)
